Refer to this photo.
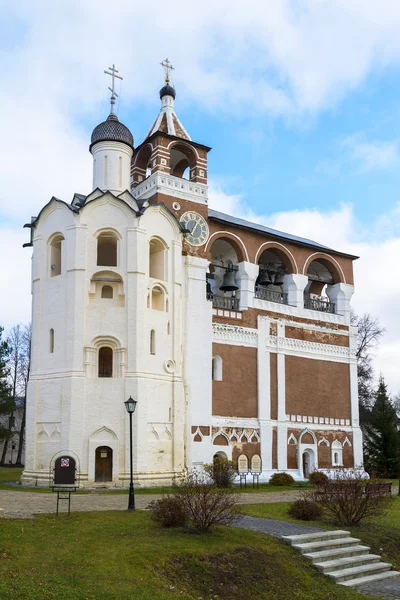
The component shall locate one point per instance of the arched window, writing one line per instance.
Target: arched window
(217, 368)
(56, 255)
(157, 260)
(107, 250)
(152, 342)
(158, 301)
(106, 291)
(337, 454)
(105, 362)
(51, 341)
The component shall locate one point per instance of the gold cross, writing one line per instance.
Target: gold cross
(168, 67)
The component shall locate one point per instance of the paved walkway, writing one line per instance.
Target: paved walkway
(389, 589)
(274, 527)
(24, 505)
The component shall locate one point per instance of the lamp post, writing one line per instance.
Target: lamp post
(130, 405)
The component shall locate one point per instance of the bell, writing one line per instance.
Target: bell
(264, 278)
(278, 279)
(229, 282)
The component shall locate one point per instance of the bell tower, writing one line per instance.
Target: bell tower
(168, 166)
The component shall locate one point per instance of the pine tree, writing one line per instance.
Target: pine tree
(7, 404)
(382, 439)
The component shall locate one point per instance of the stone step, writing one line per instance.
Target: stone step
(315, 537)
(326, 555)
(369, 579)
(357, 572)
(326, 545)
(346, 563)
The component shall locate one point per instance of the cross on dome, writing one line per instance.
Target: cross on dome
(168, 67)
(114, 94)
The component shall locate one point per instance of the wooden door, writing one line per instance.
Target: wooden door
(103, 468)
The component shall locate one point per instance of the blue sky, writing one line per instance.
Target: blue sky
(299, 100)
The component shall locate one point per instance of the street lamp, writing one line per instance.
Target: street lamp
(130, 405)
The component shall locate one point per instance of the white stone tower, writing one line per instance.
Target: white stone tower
(107, 280)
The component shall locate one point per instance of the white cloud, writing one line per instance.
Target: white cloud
(280, 58)
(371, 156)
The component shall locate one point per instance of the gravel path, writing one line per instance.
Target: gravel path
(24, 505)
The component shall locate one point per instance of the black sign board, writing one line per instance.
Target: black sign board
(64, 471)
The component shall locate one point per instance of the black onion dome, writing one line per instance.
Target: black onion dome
(111, 130)
(167, 90)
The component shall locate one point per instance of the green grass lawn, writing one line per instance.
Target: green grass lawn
(382, 533)
(13, 475)
(122, 555)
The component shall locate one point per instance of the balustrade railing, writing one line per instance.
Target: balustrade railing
(320, 304)
(226, 302)
(263, 293)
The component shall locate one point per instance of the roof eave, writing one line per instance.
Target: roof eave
(283, 237)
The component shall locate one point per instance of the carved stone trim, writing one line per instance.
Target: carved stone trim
(237, 336)
(294, 346)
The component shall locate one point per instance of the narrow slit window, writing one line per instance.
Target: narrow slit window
(55, 256)
(51, 341)
(217, 368)
(152, 342)
(105, 362)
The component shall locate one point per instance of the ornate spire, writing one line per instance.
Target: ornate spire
(114, 94)
(167, 120)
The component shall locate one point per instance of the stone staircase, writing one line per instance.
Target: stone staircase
(341, 557)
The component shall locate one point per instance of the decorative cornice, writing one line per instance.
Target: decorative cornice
(312, 349)
(237, 336)
(171, 186)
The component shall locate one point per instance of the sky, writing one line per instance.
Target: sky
(299, 100)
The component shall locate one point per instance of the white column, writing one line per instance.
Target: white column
(355, 419)
(282, 428)
(247, 275)
(294, 286)
(340, 294)
(264, 393)
(198, 358)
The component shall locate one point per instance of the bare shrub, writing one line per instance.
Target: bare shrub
(351, 500)
(281, 479)
(305, 510)
(204, 503)
(222, 472)
(318, 478)
(168, 511)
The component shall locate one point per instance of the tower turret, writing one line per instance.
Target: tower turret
(112, 149)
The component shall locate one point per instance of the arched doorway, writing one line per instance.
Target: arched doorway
(103, 466)
(308, 463)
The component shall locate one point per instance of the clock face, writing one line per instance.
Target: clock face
(198, 228)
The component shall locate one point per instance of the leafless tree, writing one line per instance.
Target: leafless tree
(18, 371)
(369, 335)
(25, 369)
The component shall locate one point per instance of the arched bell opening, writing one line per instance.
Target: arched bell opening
(223, 282)
(274, 264)
(182, 162)
(141, 164)
(321, 276)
